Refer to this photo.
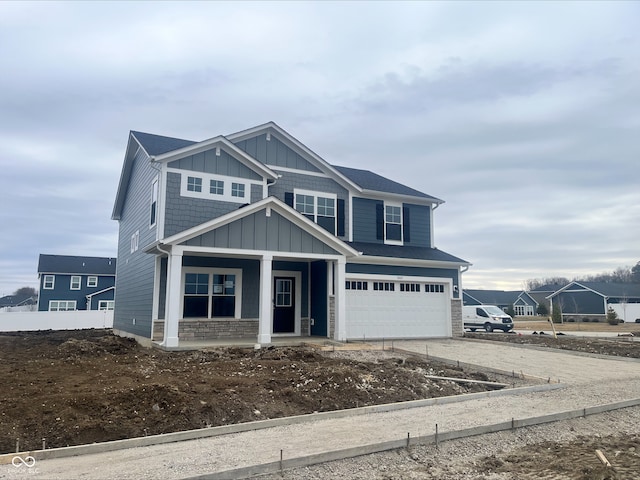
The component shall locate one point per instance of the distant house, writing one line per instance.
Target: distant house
(541, 294)
(18, 302)
(76, 283)
(589, 301)
(253, 235)
(521, 302)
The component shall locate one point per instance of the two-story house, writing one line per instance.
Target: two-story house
(254, 235)
(76, 283)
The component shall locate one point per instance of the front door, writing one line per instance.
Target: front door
(284, 309)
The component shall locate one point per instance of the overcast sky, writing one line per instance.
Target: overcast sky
(523, 117)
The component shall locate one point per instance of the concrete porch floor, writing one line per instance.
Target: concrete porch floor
(316, 342)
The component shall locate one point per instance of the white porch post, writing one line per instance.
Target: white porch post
(172, 313)
(340, 332)
(266, 302)
(156, 292)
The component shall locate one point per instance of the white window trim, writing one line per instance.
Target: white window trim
(79, 282)
(393, 242)
(90, 283)
(53, 282)
(315, 195)
(206, 181)
(214, 271)
(67, 303)
(108, 304)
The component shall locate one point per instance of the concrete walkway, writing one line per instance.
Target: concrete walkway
(589, 381)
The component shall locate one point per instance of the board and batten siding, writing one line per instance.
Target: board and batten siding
(364, 220)
(275, 153)
(419, 225)
(259, 232)
(135, 271)
(209, 162)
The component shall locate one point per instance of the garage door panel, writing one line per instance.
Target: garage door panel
(397, 314)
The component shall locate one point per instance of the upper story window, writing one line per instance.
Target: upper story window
(92, 281)
(194, 184)
(135, 241)
(216, 187)
(317, 207)
(393, 224)
(237, 190)
(154, 203)
(48, 282)
(76, 280)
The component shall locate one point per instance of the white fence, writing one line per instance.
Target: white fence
(78, 319)
(627, 311)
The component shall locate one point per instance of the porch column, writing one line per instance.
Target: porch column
(172, 313)
(340, 332)
(266, 300)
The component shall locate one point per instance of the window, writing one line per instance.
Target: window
(92, 281)
(216, 187)
(384, 286)
(356, 285)
(194, 184)
(434, 288)
(284, 296)
(48, 282)
(62, 305)
(106, 305)
(135, 239)
(409, 287)
(237, 190)
(317, 207)
(393, 223)
(211, 295)
(76, 280)
(154, 203)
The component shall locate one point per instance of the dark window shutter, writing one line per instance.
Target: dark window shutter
(380, 221)
(288, 198)
(340, 218)
(406, 224)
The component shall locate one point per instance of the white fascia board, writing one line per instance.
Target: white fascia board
(281, 208)
(101, 291)
(220, 141)
(413, 262)
(300, 148)
(255, 254)
(125, 174)
(396, 197)
(567, 288)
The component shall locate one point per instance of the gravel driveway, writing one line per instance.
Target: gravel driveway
(588, 381)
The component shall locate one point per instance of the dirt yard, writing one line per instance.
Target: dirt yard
(77, 387)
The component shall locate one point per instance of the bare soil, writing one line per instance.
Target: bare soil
(75, 387)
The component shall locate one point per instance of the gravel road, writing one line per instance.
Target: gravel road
(588, 381)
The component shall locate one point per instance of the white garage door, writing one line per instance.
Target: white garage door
(397, 309)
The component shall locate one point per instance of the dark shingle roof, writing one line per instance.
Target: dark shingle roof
(399, 251)
(157, 144)
(79, 265)
(617, 290)
(494, 297)
(372, 181)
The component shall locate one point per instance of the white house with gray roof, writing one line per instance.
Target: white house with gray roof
(253, 235)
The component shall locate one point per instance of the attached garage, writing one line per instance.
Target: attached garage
(391, 307)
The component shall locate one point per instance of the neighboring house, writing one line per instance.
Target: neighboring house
(521, 302)
(541, 294)
(254, 235)
(76, 283)
(13, 303)
(589, 301)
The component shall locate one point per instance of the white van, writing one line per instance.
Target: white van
(488, 317)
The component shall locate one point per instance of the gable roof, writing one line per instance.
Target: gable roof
(608, 290)
(405, 251)
(494, 297)
(68, 264)
(16, 301)
(368, 180)
(158, 144)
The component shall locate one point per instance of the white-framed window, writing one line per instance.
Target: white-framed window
(154, 203)
(409, 287)
(319, 207)
(194, 184)
(135, 240)
(49, 282)
(356, 285)
(76, 281)
(92, 281)
(105, 304)
(216, 187)
(62, 305)
(237, 190)
(211, 293)
(434, 288)
(393, 224)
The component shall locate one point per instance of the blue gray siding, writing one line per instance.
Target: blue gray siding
(259, 232)
(406, 271)
(208, 162)
(364, 220)
(96, 299)
(585, 302)
(135, 272)
(62, 290)
(274, 152)
(419, 225)
(182, 213)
